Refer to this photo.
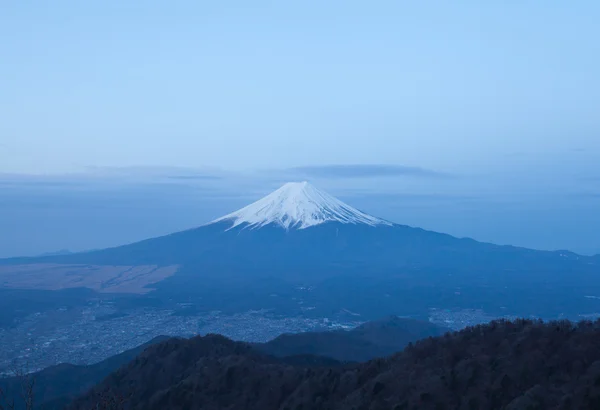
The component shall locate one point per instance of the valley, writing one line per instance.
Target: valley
(89, 334)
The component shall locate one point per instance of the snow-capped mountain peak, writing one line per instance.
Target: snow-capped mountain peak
(298, 205)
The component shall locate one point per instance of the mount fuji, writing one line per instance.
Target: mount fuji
(300, 249)
(298, 205)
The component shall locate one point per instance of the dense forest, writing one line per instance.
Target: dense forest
(522, 364)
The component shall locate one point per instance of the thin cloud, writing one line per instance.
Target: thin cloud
(24, 180)
(194, 177)
(404, 196)
(107, 182)
(159, 172)
(586, 195)
(365, 171)
(589, 179)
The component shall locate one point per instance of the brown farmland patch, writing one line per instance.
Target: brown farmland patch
(102, 278)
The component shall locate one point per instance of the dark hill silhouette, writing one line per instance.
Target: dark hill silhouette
(503, 365)
(368, 341)
(56, 386)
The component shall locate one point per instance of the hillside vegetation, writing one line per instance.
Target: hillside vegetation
(503, 365)
(371, 340)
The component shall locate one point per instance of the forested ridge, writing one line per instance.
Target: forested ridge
(523, 364)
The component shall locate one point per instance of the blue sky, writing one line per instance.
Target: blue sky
(240, 84)
(489, 107)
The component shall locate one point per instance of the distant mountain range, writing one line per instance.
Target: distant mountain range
(56, 386)
(301, 237)
(504, 365)
(373, 339)
(56, 253)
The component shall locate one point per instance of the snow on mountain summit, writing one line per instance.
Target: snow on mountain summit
(298, 205)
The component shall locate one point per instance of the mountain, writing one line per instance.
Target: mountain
(503, 365)
(373, 339)
(300, 248)
(56, 386)
(56, 253)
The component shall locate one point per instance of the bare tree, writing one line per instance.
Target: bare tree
(27, 395)
(5, 402)
(108, 400)
(26, 384)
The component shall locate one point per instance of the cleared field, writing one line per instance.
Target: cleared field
(102, 278)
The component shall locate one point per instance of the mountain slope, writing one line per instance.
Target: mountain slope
(503, 365)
